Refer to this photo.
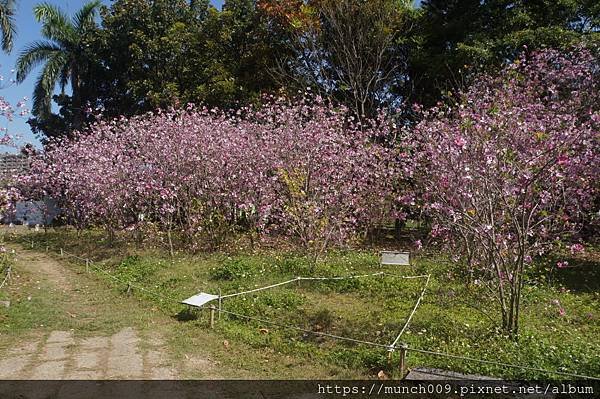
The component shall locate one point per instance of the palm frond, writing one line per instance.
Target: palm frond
(33, 55)
(86, 15)
(55, 23)
(46, 82)
(47, 12)
(8, 24)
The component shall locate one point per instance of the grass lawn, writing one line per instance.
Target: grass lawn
(452, 318)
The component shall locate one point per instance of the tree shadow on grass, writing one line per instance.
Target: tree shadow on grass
(579, 274)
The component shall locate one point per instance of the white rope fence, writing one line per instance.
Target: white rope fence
(260, 289)
(393, 345)
(320, 279)
(341, 277)
(317, 279)
(7, 277)
(390, 348)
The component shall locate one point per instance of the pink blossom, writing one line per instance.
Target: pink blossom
(460, 141)
(562, 264)
(577, 248)
(563, 160)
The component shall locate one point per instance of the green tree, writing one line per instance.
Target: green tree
(239, 52)
(7, 24)
(63, 54)
(147, 55)
(153, 54)
(164, 53)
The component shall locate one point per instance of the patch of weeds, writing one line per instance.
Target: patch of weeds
(287, 300)
(233, 269)
(293, 265)
(339, 286)
(135, 269)
(267, 304)
(359, 358)
(173, 282)
(345, 262)
(31, 312)
(321, 320)
(390, 287)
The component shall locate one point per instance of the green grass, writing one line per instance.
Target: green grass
(453, 318)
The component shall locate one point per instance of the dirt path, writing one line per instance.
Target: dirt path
(126, 354)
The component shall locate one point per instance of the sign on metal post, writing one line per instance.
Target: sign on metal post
(395, 258)
(200, 299)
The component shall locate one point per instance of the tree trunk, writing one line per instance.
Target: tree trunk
(170, 239)
(510, 315)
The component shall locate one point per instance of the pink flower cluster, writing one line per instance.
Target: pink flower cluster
(7, 112)
(305, 170)
(9, 195)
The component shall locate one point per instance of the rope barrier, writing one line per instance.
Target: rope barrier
(407, 277)
(260, 289)
(287, 326)
(341, 277)
(91, 265)
(8, 271)
(74, 256)
(375, 344)
(128, 283)
(411, 314)
(393, 346)
(305, 279)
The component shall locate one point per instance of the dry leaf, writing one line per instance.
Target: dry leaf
(382, 375)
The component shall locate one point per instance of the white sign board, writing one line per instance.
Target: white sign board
(200, 299)
(395, 258)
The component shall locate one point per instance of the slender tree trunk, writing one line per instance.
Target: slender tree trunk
(501, 296)
(77, 103)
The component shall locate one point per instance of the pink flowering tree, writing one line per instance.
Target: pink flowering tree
(512, 167)
(303, 170)
(8, 112)
(331, 176)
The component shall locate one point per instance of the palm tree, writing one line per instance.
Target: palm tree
(7, 24)
(62, 53)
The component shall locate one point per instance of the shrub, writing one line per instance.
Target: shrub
(307, 170)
